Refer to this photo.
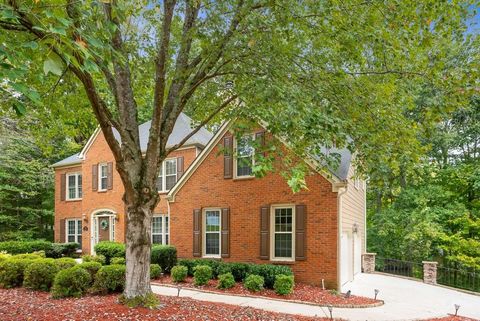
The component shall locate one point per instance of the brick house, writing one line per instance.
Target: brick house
(211, 206)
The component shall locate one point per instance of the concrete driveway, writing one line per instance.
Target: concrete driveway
(407, 299)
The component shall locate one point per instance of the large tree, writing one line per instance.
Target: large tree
(315, 72)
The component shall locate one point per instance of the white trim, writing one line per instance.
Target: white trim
(99, 174)
(272, 232)
(204, 232)
(235, 158)
(67, 186)
(341, 191)
(89, 143)
(76, 235)
(94, 224)
(164, 174)
(164, 232)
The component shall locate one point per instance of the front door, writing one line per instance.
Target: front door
(103, 228)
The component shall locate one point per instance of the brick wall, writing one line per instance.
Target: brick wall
(207, 188)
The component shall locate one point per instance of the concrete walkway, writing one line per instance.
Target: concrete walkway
(404, 300)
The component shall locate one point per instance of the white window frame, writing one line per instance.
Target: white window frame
(272, 233)
(204, 233)
(164, 174)
(165, 231)
(235, 159)
(77, 236)
(100, 166)
(77, 191)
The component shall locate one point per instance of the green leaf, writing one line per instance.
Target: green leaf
(19, 108)
(54, 65)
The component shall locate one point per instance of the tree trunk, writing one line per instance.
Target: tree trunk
(138, 246)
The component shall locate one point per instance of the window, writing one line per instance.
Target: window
(102, 177)
(74, 186)
(245, 156)
(212, 233)
(283, 228)
(168, 175)
(160, 230)
(74, 231)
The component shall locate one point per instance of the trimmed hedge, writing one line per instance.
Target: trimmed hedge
(91, 267)
(53, 250)
(12, 272)
(110, 278)
(65, 263)
(179, 273)
(94, 258)
(155, 271)
(253, 283)
(71, 282)
(118, 260)
(225, 281)
(202, 274)
(39, 274)
(269, 272)
(192, 263)
(58, 250)
(283, 284)
(165, 256)
(110, 249)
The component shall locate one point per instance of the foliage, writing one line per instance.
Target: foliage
(269, 272)
(12, 272)
(20, 247)
(28, 256)
(110, 249)
(253, 283)
(179, 273)
(117, 260)
(91, 267)
(155, 271)
(4, 256)
(283, 284)
(165, 256)
(226, 281)
(192, 263)
(202, 274)
(65, 263)
(71, 282)
(150, 301)
(94, 258)
(239, 270)
(110, 278)
(58, 250)
(39, 274)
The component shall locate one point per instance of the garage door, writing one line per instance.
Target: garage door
(357, 254)
(346, 258)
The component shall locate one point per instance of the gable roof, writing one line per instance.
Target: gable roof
(183, 126)
(335, 176)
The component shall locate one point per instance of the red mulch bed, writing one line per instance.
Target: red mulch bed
(20, 304)
(302, 292)
(452, 318)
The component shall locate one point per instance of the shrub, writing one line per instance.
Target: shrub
(165, 256)
(225, 281)
(19, 247)
(58, 250)
(283, 284)
(179, 273)
(189, 264)
(65, 263)
(202, 274)
(4, 256)
(269, 272)
(110, 249)
(254, 283)
(118, 260)
(110, 278)
(94, 258)
(12, 272)
(39, 274)
(73, 281)
(155, 271)
(192, 263)
(239, 270)
(91, 267)
(29, 256)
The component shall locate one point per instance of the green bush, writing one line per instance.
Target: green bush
(73, 282)
(283, 284)
(192, 263)
(110, 278)
(202, 274)
(20, 247)
(29, 256)
(155, 271)
(165, 256)
(65, 263)
(254, 283)
(12, 272)
(39, 274)
(225, 281)
(110, 249)
(91, 267)
(58, 250)
(94, 258)
(4, 256)
(239, 270)
(179, 273)
(269, 272)
(118, 260)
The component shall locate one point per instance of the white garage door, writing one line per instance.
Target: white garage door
(346, 258)
(357, 254)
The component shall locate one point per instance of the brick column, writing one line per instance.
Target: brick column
(368, 262)
(430, 272)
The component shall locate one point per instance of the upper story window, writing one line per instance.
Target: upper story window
(102, 177)
(245, 159)
(160, 230)
(167, 176)
(74, 186)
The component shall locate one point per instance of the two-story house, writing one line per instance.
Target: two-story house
(213, 207)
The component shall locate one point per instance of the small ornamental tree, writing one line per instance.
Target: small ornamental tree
(313, 72)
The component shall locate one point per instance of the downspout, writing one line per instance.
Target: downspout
(341, 189)
(364, 218)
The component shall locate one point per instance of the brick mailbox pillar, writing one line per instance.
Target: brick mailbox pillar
(368, 262)
(430, 272)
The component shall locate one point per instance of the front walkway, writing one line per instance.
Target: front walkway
(404, 300)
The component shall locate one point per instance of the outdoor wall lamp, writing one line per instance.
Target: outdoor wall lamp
(84, 217)
(355, 228)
